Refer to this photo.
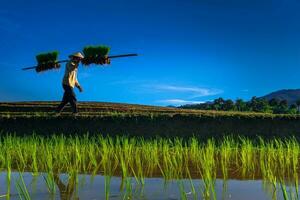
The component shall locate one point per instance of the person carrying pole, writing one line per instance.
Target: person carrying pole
(69, 82)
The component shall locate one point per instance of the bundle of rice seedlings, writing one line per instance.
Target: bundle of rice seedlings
(47, 61)
(95, 55)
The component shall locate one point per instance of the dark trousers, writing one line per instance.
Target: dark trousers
(69, 97)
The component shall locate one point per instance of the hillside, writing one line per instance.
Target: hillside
(291, 95)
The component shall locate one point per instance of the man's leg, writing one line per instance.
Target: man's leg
(73, 100)
(63, 102)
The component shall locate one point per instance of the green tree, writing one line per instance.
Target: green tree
(274, 102)
(228, 105)
(293, 109)
(262, 105)
(218, 104)
(252, 104)
(282, 108)
(240, 105)
(298, 105)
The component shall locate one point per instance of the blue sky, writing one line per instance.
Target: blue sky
(190, 51)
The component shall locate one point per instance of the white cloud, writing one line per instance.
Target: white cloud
(178, 101)
(194, 91)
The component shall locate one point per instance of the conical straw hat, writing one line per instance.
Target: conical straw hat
(77, 54)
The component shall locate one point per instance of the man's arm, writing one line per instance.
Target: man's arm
(78, 85)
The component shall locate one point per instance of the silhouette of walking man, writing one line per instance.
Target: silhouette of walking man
(69, 82)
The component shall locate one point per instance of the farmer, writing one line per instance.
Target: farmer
(69, 82)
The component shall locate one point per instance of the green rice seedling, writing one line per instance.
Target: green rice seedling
(225, 155)
(208, 170)
(271, 180)
(128, 189)
(139, 165)
(47, 61)
(274, 194)
(183, 195)
(50, 183)
(280, 155)
(95, 54)
(172, 158)
(107, 186)
(8, 183)
(21, 163)
(22, 189)
(296, 184)
(8, 175)
(34, 165)
(73, 182)
(283, 190)
(247, 157)
(262, 159)
(193, 190)
(92, 149)
(47, 57)
(48, 165)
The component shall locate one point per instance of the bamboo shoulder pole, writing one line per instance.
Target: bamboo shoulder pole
(62, 61)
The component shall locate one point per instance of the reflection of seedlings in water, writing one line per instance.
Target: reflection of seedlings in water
(50, 183)
(283, 189)
(34, 183)
(128, 189)
(66, 191)
(270, 184)
(183, 195)
(226, 149)
(107, 186)
(8, 175)
(296, 185)
(193, 190)
(289, 193)
(82, 181)
(21, 187)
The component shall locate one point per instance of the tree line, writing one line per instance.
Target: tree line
(274, 105)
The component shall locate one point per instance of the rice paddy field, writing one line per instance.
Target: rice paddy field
(23, 118)
(43, 156)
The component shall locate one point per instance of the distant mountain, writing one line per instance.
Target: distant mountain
(291, 95)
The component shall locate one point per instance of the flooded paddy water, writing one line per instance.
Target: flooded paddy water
(95, 187)
(87, 186)
(98, 167)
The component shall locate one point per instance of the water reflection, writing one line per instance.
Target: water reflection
(84, 186)
(66, 190)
